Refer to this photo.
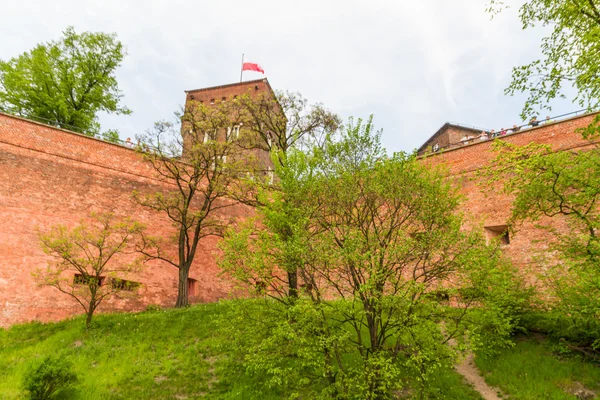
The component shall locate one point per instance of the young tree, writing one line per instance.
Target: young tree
(87, 261)
(198, 163)
(65, 82)
(380, 249)
(278, 123)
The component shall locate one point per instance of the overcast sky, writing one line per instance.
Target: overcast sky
(413, 64)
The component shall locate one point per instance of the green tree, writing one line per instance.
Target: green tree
(200, 162)
(87, 259)
(560, 193)
(569, 54)
(278, 123)
(65, 82)
(379, 251)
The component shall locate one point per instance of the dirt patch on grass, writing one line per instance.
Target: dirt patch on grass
(471, 374)
(578, 390)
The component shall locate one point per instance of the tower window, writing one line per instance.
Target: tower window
(223, 98)
(235, 132)
(212, 101)
(499, 232)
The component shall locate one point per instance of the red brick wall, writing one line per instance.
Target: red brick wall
(50, 176)
(493, 209)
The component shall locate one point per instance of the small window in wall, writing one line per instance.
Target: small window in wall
(435, 147)
(499, 232)
(79, 279)
(236, 132)
(223, 98)
(212, 101)
(192, 286)
(122, 284)
(270, 175)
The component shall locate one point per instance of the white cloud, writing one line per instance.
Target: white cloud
(414, 65)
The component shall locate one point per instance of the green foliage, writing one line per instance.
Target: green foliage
(202, 160)
(50, 376)
(65, 82)
(111, 135)
(530, 370)
(161, 355)
(564, 187)
(569, 55)
(88, 258)
(370, 237)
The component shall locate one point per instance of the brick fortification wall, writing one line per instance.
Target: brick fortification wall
(50, 176)
(494, 208)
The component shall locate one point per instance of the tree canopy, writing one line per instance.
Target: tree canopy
(65, 82)
(379, 252)
(569, 53)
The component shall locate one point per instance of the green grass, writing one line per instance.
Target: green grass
(532, 370)
(172, 354)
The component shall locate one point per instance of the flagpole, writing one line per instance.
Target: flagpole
(242, 67)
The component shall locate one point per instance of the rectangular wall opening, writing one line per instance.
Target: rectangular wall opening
(192, 285)
(122, 284)
(498, 232)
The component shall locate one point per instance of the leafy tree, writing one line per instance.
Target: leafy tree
(199, 165)
(86, 259)
(563, 187)
(569, 54)
(279, 123)
(560, 188)
(379, 250)
(65, 82)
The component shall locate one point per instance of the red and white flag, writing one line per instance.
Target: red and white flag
(248, 66)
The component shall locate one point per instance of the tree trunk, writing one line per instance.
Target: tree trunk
(90, 314)
(182, 292)
(293, 284)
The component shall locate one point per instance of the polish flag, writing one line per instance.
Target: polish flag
(247, 66)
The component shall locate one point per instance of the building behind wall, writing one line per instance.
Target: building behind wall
(491, 210)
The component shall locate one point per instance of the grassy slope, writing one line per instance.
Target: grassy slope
(157, 355)
(531, 371)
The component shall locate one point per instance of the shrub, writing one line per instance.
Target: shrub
(153, 308)
(52, 375)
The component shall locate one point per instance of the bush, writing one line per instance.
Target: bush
(52, 375)
(153, 308)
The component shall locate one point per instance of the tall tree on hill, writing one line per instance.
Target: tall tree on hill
(65, 82)
(198, 163)
(277, 123)
(374, 239)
